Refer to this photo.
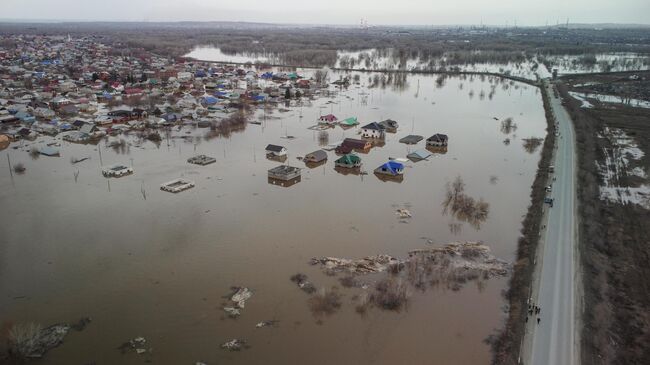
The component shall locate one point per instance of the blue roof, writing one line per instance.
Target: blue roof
(210, 100)
(392, 166)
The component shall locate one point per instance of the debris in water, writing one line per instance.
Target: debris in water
(137, 345)
(266, 324)
(32, 341)
(303, 283)
(240, 296)
(451, 265)
(366, 265)
(234, 345)
(232, 312)
(403, 213)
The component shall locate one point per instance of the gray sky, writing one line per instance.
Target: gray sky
(389, 12)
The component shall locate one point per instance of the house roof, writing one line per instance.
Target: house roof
(374, 126)
(411, 139)
(317, 156)
(438, 137)
(419, 155)
(392, 166)
(354, 143)
(350, 121)
(274, 148)
(349, 159)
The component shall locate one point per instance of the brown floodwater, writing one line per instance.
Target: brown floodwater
(72, 247)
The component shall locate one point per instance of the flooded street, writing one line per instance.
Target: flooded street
(143, 262)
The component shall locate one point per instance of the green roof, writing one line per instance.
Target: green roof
(349, 159)
(350, 121)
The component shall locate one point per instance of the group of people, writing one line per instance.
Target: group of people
(534, 310)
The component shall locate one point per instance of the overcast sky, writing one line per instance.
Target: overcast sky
(389, 12)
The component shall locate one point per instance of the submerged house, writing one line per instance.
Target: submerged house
(411, 139)
(316, 156)
(349, 122)
(373, 130)
(275, 150)
(438, 140)
(348, 161)
(390, 168)
(390, 125)
(418, 155)
(351, 144)
(329, 119)
(284, 172)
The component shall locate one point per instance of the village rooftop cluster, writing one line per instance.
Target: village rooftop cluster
(82, 90)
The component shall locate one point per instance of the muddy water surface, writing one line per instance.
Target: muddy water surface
(159, 267)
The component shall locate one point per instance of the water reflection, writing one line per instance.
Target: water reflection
(272, 157)
(390, 178)
(532, 144)
(463, 207)
(348, 170)
(437, 150)
(284, 183)
(313, 165)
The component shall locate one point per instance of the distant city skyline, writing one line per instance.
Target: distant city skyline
(337, 12)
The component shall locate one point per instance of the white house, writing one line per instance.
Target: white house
(373, 130)
(276, 150)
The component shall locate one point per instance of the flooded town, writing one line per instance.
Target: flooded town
(171, 200)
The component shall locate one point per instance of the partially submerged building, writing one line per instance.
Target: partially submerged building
(373, 130)
(275, 150)
(390, 125)
(438, 140)
(418, 155)
(411, 139)
(390, 168)
(348, 161)
(116, 170)
(177, 185)
(201, 160)
(351, 144)
(316, 156)
(284, 172)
